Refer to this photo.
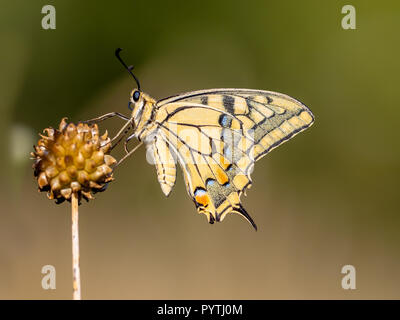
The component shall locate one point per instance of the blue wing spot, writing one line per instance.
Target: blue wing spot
(225, 120)
(210, 182)
(199, 192)
(227, 152)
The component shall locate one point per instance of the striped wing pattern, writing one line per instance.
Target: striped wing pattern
(216, 135)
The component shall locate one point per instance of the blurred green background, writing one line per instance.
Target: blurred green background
(326, 199)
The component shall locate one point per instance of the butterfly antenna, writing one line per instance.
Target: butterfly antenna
(129, 69)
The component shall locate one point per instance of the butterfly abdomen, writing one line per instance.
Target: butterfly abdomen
(165, 164)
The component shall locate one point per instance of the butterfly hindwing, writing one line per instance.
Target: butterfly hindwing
(218, 134)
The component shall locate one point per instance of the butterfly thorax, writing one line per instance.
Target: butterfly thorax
(143, 112)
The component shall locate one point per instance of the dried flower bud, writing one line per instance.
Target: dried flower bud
(73, 158)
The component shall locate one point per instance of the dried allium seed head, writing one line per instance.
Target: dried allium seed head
(73, 158)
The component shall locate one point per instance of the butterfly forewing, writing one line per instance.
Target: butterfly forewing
(217, 135)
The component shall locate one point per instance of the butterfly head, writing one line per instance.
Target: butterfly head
(138, 100)
(135, 99)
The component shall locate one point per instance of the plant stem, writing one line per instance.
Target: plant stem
(75, 248)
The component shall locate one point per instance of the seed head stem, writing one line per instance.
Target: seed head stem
(75, 248)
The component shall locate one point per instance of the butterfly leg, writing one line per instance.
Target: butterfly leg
(121, 134)
(128, 154)
(107, 116)
(127, 141)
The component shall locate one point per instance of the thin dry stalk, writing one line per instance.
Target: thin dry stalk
(75, 248)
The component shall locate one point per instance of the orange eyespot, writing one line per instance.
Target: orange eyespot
(203, 200)
(201, 197)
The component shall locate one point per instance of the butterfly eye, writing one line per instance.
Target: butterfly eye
(130, 106)
(136, 96)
